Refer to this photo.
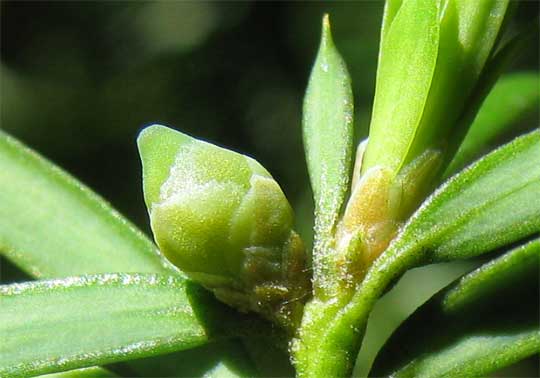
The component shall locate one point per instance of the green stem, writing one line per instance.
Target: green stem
(332, 331)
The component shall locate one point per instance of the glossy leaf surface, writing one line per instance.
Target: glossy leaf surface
(503, 57)
(486, 320)
(99, 319)
(391, 8)
(407, 60)
(468, 32)
(432, 55)
(51, 225)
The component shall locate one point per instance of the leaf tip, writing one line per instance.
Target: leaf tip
(326, 33)
(147, 136)
(157, 146)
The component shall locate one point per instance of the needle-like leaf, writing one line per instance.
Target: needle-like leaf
(432, 55)
(51, 225)
(407, 61)
(486, 320)
(490, 205)
(493, 203)
(328, 135)
(63, 324)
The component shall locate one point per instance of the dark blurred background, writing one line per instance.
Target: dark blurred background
(79, 80)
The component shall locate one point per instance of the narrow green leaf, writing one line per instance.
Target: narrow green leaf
(493, 203)
(391, 7)
(328, 125)
(419, 108)
(91, 372)
(63, 324)
(489, 205)
(485, 321)
(490, 281)
(328, 135)
(51, 225)
(468, 32)
(407, 62)
(504, 56)
(514, 96)
(70, 230)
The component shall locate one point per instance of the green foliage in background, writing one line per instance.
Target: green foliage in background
(449, 173)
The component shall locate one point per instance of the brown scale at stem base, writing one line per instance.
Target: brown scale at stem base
(380, 202)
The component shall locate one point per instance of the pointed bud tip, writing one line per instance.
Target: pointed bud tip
(326, 20)
(157, 146)
(149, 133)
(326, 30)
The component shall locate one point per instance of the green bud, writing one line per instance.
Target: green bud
(221, 218)
(433, 55)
